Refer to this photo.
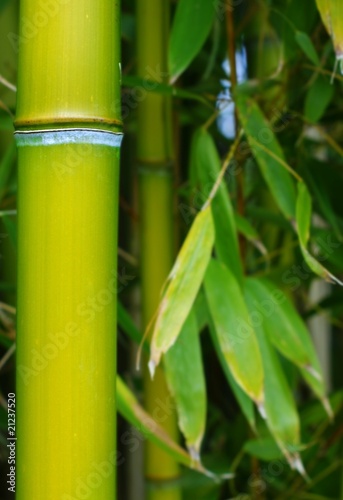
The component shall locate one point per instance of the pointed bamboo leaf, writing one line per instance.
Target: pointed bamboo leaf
(306, 45)
(303, 217)
(130, 409)
(242, 398)
(191, 26)
(278, 321)
(206, 165)
(281, 413)
(268, 154)
(185, 280)
(318, 98)
(336, 15)
(235, 333)
(286, 331)
(185, 377)
(324, 9)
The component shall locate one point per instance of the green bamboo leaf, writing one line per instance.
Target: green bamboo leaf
(6, 165)
(185, 280)
(130, 409)
(185, 377)
(281, 323)
(206, 165)
(11, 228)
(268, 154)
(318, 98)
(233, 328)
(306, 45)
(242, 398)
(274, 313)
(314, 178)
(191, 26)
(280, 411)
(6, 122)
(324, 9)
(249, 232)
(303, 217)
(263, 449)
(126, 323)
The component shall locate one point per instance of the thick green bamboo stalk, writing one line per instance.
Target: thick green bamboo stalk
(154, 152)
(68, 136)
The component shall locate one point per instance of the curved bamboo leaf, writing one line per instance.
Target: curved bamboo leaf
(268, 154)
(249, 232)
(242, 398)
(303, 215)
(306, 45)
(130, 409)
(234, 331)
(318, 98)
(191, 26)
(281, 413)
(324, 9)
(206, 165)
(280, 321)
(271, 309)
(185, 377)
(185, 280)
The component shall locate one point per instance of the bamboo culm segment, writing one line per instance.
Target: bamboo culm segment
(66, 322)
(68, 85)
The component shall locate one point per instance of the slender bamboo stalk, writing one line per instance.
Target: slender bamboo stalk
(154, 151)
(68, 136)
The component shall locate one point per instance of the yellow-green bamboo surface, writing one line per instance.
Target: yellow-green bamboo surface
(154, 153)
(68, 136)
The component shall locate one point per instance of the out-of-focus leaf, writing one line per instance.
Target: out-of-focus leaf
(249, 232)
(130, 409)
(5, 341)
(281, 413)
(126, 323)
(318, 98)
(263, 449)
(185, 280)
(321, 193)
(191, 26)
(233, 328)
(186, 381)
(324, 9)
(6, 165)
(303, 217)
(314, 413)
(306, 45)
(206, 165)
(3, 4)
(11, 228)
(242, 398)
(128, 26)
(268, 154)
(6, 122)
